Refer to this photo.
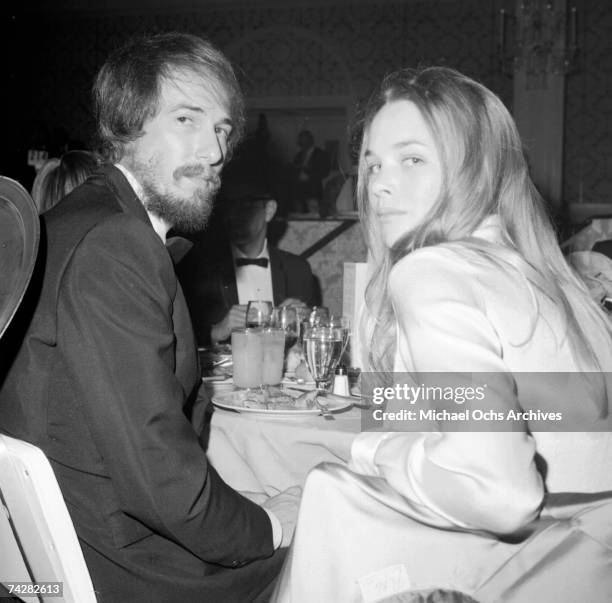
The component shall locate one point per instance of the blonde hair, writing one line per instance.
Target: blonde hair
(484, 173)
(57, 177)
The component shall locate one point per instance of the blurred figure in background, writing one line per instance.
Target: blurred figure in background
(310, 167)
(57, 177)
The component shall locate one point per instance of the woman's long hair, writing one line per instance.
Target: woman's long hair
(58, 177)
(484, 173)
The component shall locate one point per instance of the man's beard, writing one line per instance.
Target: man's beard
(185, 214)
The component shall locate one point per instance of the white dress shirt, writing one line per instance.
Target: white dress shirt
(253, 282)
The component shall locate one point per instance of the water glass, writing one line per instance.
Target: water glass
(258, 356)
(319, 315)
(322, 348)
(285, 318)
(341, 322)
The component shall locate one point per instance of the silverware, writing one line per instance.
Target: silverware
(324, 408)
(221, 362)
(219, 377)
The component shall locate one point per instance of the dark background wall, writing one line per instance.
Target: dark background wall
(292, 49)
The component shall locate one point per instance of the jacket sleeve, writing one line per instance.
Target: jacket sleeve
(478, 480)
(115, 327)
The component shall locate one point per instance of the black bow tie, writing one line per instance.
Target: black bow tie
(263, 262)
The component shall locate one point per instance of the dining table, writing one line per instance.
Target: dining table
(262, 453)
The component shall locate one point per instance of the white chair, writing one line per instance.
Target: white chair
(37, 539)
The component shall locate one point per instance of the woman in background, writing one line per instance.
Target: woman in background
(57, 177)
(468, 283)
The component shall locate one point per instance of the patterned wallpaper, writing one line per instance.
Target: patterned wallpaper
(588, 117)
(328, 262)
(291, 51)
(322, 50)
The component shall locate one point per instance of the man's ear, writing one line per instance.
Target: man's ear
(271, 207)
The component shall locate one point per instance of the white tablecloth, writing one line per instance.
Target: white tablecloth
(265, 455)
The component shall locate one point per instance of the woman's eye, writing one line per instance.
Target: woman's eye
(183, 119)
(373, 168)
(412, 160)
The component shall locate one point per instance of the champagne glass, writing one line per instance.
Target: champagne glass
(303, 317)
(259, 313)
(286, 318)
(343, 323)
(319, 315)
(322, 348)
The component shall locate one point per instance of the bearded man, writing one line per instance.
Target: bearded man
(106, 376)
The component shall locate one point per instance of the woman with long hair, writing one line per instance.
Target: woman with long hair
(57, 177)
(470, 289)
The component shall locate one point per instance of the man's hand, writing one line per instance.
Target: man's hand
(285, 507)
(293, 301)
(234, 319)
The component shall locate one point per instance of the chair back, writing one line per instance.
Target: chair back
(19, 237)
(37, 539)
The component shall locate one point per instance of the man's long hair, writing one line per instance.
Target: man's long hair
(127, 88)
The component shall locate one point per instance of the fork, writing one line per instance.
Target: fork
(324, 408)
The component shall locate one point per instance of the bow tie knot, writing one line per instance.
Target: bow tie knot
(263, 262)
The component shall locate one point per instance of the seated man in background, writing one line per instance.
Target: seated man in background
(219, 283)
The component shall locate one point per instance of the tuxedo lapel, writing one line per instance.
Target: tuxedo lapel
(279, 284)
(124, 193)
(227, 281)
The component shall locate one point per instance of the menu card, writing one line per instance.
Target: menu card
(354, 284)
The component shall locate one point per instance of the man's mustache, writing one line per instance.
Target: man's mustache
(191, 171)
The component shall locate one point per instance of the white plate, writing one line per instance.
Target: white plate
(290, 381)
(233, 401)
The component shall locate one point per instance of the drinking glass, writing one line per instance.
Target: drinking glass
(318, 315)
(247, 356)
(273, 356)
(258, 357)
(341, 322)
(259, 313)
(322, 349)
(286, 318)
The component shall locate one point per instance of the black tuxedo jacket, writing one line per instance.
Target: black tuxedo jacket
(102, 383)
(209, 282)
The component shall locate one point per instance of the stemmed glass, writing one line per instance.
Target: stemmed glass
(286, 318)
(318, 315)
(343, 323)
(259, 313)
(322, 349)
